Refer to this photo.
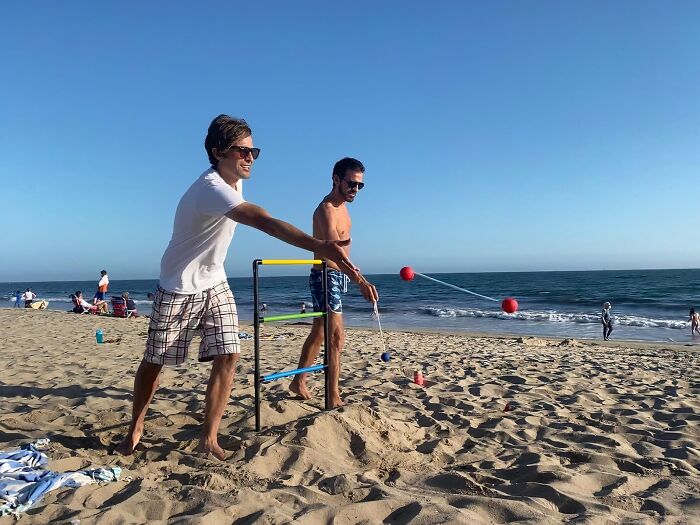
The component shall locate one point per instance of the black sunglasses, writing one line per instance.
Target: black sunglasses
(244, 151)
(352, 184)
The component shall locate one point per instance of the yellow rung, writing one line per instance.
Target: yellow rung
(291, 261)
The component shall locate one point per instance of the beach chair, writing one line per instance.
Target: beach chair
(79, 309)
(131, 312)
(119, 307)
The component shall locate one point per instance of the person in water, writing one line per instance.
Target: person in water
(607, 320)
(694, 322)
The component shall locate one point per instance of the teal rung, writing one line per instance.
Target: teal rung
(290, 316)
(288, 373)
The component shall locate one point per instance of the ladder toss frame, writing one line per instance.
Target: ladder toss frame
(258, 320)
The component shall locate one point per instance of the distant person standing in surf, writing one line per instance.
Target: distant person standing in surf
(607, 320)
(694, 322)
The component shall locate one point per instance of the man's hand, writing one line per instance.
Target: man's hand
(333, 250)
(368, 290)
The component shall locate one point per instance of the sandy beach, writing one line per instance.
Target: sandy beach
(593, 433)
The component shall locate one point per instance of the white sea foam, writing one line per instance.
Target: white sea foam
(54, 299)
(555, 317)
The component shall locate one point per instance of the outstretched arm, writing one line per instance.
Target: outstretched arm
(258, 218)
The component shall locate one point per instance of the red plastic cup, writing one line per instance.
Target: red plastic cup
(418, 378)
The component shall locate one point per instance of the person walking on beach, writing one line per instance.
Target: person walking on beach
(694, 322)
(18, 299)
(303, 308)
(331, 221)
(193, 294)
(102, 287)
(28, 298)
(607, 320)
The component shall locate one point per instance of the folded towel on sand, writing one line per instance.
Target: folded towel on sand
(24, 480)
(245, 335)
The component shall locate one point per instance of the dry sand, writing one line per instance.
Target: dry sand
(596, 433)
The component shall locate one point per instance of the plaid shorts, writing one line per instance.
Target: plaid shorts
(177, 318)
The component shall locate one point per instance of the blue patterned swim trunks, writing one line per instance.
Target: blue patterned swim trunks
(337, 285)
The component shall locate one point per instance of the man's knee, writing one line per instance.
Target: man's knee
(147, 368)
(316, 335)
(226, 363)
(337, 338)
(227, 359)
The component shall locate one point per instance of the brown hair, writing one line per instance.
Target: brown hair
(347, 164)
(224, 132)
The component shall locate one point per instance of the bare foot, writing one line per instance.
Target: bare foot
(336, 402)
(128, 444)
(300, 389)
(212, 448)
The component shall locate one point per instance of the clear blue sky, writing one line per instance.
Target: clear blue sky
(496, 135)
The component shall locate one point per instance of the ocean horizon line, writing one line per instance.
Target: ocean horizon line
(382, 274)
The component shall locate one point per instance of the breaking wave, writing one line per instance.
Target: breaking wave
(554, 317)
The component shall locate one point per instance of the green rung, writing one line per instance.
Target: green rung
(290, 316)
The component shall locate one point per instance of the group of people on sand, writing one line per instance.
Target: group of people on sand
(27, 298)
(99, 300)
(99, 303)
(193, 289)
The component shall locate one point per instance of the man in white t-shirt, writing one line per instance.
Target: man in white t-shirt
(193, 295)
(28, 297)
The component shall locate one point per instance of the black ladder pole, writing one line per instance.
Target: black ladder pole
(256, 324)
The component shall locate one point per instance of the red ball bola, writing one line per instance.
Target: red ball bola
(509, 305)
(407, 273)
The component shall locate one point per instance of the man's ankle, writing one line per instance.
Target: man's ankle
(208, 437)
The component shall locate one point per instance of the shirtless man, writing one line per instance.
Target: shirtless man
(332, 222)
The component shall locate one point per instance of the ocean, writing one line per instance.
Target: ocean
(648, 305)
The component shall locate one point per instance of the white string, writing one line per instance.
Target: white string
(458, 288)
(381, 333)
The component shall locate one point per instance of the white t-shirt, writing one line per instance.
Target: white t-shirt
(29, 296)
(84, 303)
(104, 281)
(194, 259)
